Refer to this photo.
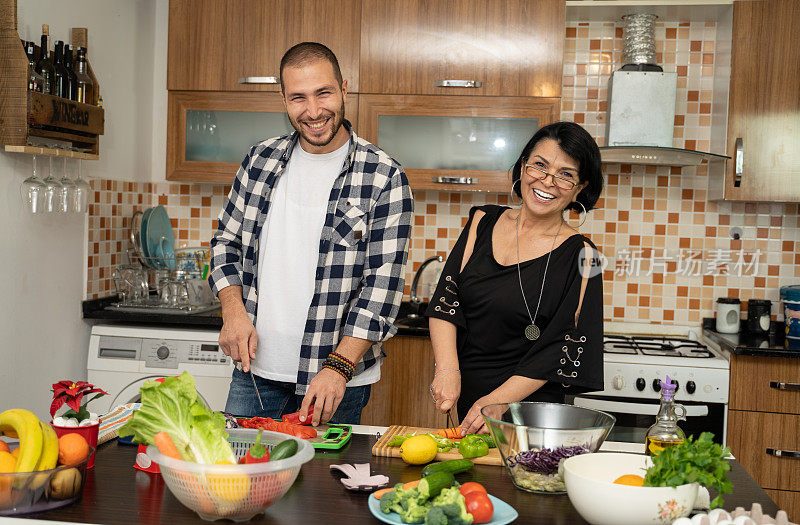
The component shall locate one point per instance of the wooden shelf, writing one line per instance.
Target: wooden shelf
(52, 152)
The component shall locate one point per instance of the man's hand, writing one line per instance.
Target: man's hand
(326, 391)
(238, 337)
(473, 422)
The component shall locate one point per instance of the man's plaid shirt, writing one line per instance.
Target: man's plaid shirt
(362, 250)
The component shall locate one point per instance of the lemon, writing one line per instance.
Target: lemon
(417, 450)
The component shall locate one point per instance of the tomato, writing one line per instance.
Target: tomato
(480, 506)
(471, 486)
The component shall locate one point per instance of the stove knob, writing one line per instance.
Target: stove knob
(640, 384)
(619, 382)
(162, 352)
(656, 385)
(690, 387)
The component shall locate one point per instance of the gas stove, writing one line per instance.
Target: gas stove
(635, 363)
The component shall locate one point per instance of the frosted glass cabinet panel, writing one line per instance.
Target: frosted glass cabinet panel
(225, 136)
(454, 143)
(210, 132)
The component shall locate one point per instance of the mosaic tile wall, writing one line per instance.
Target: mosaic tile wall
(653, 224)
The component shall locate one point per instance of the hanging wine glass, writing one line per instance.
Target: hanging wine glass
(69, 190)
(33, 189)
(52, 192)
(82, 191)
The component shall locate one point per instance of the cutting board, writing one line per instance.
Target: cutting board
(381, 448)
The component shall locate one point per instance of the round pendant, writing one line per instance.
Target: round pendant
(532, 332)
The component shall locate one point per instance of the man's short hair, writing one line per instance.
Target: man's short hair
(304, 52)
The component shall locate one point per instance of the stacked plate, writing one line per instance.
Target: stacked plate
(157, 239)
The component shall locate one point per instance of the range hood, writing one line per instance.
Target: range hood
(657, 156)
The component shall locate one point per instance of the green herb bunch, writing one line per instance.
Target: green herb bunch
(693, 461)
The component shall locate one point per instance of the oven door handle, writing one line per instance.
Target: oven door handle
(634, 408)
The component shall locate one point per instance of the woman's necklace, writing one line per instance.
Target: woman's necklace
(532, 331)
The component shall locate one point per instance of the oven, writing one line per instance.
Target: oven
(633, 367)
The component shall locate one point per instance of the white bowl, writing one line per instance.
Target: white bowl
(600, 501)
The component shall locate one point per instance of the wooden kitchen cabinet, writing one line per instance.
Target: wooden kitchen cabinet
(210, 132)
(513, 48)
(454, 143)
(764, 417)
(764, 103)
(402, 397)
(214, 43)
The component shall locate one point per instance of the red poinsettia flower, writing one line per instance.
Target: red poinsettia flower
(71, 393)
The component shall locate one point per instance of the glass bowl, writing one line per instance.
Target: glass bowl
(28, 492)
(234, 492)
(535, 438)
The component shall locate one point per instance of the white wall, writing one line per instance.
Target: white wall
(43, 338)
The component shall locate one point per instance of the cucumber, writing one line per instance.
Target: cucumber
(285, 449)
(432, 485)
(453, 466)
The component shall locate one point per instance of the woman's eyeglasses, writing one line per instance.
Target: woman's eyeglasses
(562, 182)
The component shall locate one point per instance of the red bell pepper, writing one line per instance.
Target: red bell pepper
(267, 423)
(258, 453)
(294, 417)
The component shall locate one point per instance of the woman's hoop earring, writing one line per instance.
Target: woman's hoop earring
(585, 213)
(511, 194)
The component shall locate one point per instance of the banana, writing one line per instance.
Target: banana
(49, 456)
(27, 427)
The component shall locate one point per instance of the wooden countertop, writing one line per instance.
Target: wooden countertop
(117, 493)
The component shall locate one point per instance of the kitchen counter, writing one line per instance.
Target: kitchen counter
(766, 345)
(95, 309)
(117, 493)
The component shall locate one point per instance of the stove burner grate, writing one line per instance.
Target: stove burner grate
(657, 346)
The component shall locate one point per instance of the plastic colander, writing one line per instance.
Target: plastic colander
(234, 492)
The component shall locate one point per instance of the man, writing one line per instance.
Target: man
(308, 257)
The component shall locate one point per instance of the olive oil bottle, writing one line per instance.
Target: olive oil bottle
(666, 432)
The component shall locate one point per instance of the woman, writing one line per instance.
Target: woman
(518, 312)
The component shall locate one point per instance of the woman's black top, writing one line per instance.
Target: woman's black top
(485, 303)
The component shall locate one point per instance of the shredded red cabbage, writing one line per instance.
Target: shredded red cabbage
(545, 461)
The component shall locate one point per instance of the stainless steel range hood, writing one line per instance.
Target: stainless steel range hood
(657, 156)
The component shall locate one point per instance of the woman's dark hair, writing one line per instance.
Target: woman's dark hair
(578, 144)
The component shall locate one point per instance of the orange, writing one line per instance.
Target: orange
(15, 453)
(630, 479)
(72, 449)
(8, 464)
(4, 446)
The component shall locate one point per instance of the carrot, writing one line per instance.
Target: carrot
(166, 446)
(379, 493)
(450, 433)
(411, 484)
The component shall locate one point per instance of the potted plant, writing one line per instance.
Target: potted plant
(77, 419)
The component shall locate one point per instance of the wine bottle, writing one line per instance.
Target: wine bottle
(35, 80)
(85, 86)
(69, 65)
(45, 66)
(62, 77)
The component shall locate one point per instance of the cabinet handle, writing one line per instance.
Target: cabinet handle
(259, 80)
(778, 453)
(739, 170)
(454, 180)
(794, 387)
(458, 83)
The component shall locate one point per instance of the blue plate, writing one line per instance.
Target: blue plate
(159, 236)
(143, 237)
(503, 512)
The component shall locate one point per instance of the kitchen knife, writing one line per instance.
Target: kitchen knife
(239, 367)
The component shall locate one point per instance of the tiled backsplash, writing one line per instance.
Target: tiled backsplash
(653, 224)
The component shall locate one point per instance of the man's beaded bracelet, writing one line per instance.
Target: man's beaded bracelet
(346, 362)
(327, 365)
(344, 359)
(345, 370)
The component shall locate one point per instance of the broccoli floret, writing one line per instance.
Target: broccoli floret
(436, 516)
(453, 505)
(412, 511)
(388, 501)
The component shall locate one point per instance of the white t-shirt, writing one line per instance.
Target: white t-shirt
(287, 262)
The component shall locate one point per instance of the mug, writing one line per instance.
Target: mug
(758, 319)
(728, 315)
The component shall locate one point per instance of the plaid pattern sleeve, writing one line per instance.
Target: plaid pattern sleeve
(226, 244)
(373, 312)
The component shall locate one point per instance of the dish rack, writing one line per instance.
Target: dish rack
(173, 284)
